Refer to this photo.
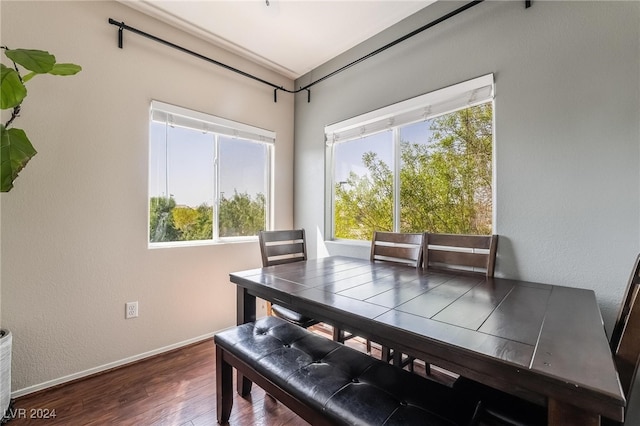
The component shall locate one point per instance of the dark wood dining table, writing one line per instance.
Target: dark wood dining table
(543, 342)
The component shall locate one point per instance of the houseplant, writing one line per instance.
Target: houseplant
(15, 152)
(5, 374)
(15, 148)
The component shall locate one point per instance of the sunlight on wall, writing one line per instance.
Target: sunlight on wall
(321, 248)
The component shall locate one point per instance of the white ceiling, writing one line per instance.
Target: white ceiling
(290, 37)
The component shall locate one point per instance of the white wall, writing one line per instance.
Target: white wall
(74, 228)
(567, 129)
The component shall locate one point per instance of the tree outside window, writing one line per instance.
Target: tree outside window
(445, 178)
(206, 183)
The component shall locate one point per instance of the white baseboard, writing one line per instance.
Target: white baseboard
(25, 391)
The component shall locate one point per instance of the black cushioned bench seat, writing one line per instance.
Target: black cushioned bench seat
(326, 382)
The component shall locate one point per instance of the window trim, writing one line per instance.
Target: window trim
(449, 99)
(421, 108)
(195, 120)
(185, 117)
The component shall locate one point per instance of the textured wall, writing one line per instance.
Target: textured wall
(566, 129)
(74, 228)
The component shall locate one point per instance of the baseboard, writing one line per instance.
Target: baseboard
(82, 374)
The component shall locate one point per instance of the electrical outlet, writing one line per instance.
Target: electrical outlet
(131, 310)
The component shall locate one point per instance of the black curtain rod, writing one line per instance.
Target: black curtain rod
(122, 26)
(393, 43)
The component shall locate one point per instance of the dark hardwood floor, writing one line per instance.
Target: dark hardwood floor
(175, 388)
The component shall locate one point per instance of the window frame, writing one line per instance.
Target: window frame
(477, 91)
(219, 127)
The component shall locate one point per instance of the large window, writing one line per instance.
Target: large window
(209, 178)
(423, 165)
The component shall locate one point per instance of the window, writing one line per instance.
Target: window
(209, 178)
(422, 165)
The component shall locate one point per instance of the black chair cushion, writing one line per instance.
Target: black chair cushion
(293, 316)
(348, 386)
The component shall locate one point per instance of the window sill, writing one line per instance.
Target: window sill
(351, 248)
(178, 244)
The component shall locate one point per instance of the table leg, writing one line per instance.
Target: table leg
(246, 312)
(563, 414)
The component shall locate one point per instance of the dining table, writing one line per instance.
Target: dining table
(542, 342)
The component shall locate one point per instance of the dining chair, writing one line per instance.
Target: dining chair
(284, 246)
(626, 350)
(502, 409)
(397, 247)
(459, 252)
(625, 306)
(474, 254)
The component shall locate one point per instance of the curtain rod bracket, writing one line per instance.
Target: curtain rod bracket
(120, 32)
(308, 96)
(121, 27)
(275, 95)
(527, 4)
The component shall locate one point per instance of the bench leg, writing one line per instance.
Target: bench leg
(224, 387)
(243, 385)
(246, 312)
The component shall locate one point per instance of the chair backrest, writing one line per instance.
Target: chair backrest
(625, 306)
(626, 353)
(285, 246)
(460, 252)
(397, 247)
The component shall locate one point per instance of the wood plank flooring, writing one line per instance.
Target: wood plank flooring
(175, 388)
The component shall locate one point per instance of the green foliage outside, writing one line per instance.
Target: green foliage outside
(240, 215)
(445, 185)
(161, 227)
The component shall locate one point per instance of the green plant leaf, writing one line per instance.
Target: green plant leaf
(15, 152)
(65, 69)
(12, 91)
(28, 77)
(38, 61)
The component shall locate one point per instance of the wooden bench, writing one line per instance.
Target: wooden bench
(327, 383)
